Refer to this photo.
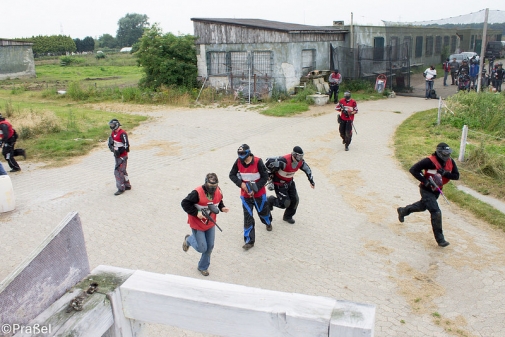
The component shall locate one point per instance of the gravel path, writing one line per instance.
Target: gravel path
(347, 242)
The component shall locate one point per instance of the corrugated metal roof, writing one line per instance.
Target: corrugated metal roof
(273, 25)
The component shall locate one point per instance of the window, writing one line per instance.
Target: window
(429, 46)
(216, 63)
(453, 43)
(394, 48)
(238, 63)
(407, 48)
(263, 63)
(308, 61)
(438, 45)
(378, 48)
(447, 41)
(419, 46)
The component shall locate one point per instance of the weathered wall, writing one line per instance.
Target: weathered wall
(54, 267)
(16, 61)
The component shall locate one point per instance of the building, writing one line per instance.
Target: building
(252, 55)
(16, 59)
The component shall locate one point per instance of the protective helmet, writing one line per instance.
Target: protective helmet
(443, 151)
(465, 59)
(211, 182)
(335, 70)
(297, 153)
(114, 124)
(243, 151)
(347, 95)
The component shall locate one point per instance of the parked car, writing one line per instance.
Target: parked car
(470, 54)
(494, 49)
(459, 58)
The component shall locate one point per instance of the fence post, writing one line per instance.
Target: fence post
(462, 145)
(439, 110)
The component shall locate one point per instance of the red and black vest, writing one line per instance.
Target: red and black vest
(348, 106)
(203, 201)
(118, 141)
(250, 173)
(11, 130)
(286, 175)
(431, 173)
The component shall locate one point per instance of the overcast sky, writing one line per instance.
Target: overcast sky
(78, 19)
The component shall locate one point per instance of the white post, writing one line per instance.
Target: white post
(482, 50)
(462, 145)
(439, 110)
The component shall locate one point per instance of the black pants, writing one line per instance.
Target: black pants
(429, 202)
(287, 198)
(333, 92)
(9, 153)
(248, 205)
(453, 77)
(345, 129)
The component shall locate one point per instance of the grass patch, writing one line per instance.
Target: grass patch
(285, 109)
(482, 169)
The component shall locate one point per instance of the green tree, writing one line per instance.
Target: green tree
(54, 45)
(167, 59)
(107, 41)
(88, 43)
(130, 29)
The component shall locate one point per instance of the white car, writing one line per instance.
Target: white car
(470, 54)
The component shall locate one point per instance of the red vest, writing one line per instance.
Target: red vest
(9, 126)
(250, 173)
(351, 105)
(204, 224)
(118, 141)
(447, 167)
(287, 174)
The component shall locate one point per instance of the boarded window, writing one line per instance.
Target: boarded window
(238, 63)
(216, 63)
(419, 46)
(438, 45)
(429, 46)
(378, 48)
(262, 63)
(308, 61)
(453, 43)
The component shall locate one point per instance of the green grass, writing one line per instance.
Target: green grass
(285, 109)
(418, 137)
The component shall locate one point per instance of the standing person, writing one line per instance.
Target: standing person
(209, 198)
(447, 69)
(347, 108)
(282, 170)
(429, 74)
(250, 174)
(454, 70)
(8, 140)
(499, 74)
(441, 168)
(334, 80)
(474, 72)
(119, 145)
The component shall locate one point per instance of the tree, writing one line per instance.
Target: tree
(107, 41)
(55, 45)
(88, 44)
(130, 29)
(167, 59)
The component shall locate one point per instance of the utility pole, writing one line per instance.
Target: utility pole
(482, 50)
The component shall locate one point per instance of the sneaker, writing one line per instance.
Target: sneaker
(401, 215)
(347, 147)
(444, 243)
(15, 170)
(127, 188)
(118, 192)
(248, 246)
(185, 245)
(289, 220)
(269, 228)
(204, 272)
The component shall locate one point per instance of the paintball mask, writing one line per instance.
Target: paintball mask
(347, 96)
(114, 124)
(211, 182)
(243, 151)
(297, 153)
(443, 151)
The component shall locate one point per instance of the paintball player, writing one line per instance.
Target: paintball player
(119, 145)
(334, 81)
(250, 174)
(8, 140)
(203, 202)
(347, 107)
(438, 169)
(282, 170)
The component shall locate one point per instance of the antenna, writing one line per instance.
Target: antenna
(61, 29)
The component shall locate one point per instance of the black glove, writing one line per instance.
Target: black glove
(312, 182)
(442, 172)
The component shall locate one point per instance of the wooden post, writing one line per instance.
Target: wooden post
(439, 110)
(462, 145)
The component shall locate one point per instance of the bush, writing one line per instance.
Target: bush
(99, 56)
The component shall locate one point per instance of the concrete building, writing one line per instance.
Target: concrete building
(16, 59)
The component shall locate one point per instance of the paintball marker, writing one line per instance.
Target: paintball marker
(212, 209)
(432, 182)
(346, 113)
